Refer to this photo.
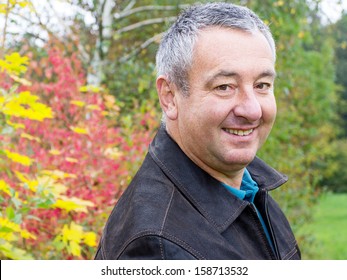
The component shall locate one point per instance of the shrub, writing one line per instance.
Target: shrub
(65, 160)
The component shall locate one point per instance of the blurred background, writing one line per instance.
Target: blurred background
(78, 108)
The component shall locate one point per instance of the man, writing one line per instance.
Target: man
(201, 192)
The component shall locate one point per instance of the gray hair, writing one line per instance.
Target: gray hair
(175, 53)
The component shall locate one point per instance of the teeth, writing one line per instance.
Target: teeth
(239, 132)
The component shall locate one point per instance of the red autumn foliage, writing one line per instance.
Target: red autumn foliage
(84, 139)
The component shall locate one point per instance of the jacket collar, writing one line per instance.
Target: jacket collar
(206, 193)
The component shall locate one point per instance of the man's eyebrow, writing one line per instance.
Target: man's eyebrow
(267, 73)
(223, 73)
(220, 74)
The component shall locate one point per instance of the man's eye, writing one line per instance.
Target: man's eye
(223, 87)
(263, 86)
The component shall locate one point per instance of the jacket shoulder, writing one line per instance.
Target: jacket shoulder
(135, 227)
(149, 247)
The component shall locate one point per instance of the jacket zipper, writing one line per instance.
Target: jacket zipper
(253, 207)
(270, 225)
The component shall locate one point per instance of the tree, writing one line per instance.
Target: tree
(340, 35)
(60, 157)
(337, 181)
(114, 39)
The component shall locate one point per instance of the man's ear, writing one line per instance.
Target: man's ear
(167, 98)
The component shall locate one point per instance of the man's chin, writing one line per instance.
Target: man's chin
(241, 160)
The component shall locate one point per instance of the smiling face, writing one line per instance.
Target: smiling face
(231, 107)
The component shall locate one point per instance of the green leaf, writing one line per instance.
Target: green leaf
(7, 130)
(31, 217)
(10, 213)
(18, 218)
(14, 253)
(17, 203)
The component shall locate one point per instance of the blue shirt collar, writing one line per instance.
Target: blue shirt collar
(248, 189)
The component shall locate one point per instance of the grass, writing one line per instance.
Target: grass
(328, 229)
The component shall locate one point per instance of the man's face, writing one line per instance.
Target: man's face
(231, 107)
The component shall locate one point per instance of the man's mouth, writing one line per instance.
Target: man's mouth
(238, 132)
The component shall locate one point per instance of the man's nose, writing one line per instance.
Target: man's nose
(248, 105)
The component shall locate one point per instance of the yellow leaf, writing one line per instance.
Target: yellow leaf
(73, 204)
(3, 8)
(21, 177)
(9, 225)
(27, 235)
(22, 81)
(5, 187)
(24, 160)
(78, 103)
(70, 159)
(14, 64)
(113, 153)
(25, 105)
(279, 3)
(89, 239)
(51, 186)
(79, 130)
(54, 152)
(14, 253)
(109, 100)
(8, 236)
(58, 189)
(57, 174)
(4, 222)
(15, 125)
(93, 107)
(89, 88)
(23, 4)
(32, 184)
(30, 137)
(72, 233)
(301, 34)
(75, 249)
(67, 205)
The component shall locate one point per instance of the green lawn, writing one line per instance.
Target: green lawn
(329, 228)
